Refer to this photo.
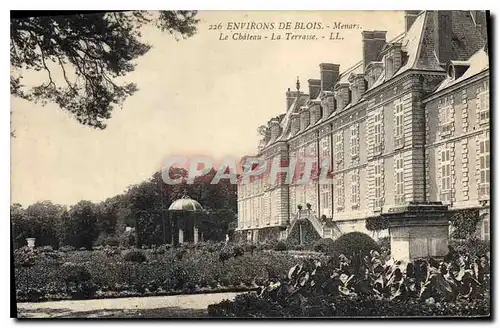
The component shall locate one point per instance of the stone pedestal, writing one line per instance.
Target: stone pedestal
(31, 242)
(418, 231)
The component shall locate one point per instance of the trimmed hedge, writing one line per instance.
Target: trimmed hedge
(354, 243)
(324, 245)
(135, 256)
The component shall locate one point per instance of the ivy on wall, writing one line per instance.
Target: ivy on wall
(464, 223)
(377, 223)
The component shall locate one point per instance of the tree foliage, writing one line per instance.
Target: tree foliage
(143, 205)
(80, 225)
(40, 220)
(90, 52)
(149, 202)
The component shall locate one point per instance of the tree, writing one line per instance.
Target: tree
(40, 220)
(89, 52)
(20, 226)
(80, 225)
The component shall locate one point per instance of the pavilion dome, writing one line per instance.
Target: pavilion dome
(185, 204)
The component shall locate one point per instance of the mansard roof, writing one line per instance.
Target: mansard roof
(418, 46)
(479, 62)
(418, 42)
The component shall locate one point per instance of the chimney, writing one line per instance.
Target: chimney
(479, 17)
(290, 98)
(373, 42)
(305, 119)
(314, 88)
(442, 35)
(329, 75)
(410, 17)
(294, 123)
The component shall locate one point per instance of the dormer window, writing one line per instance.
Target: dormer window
(342, 95)
(389, 67)
(392, 57)
(373, 71)
(358, 87)
(457, 68)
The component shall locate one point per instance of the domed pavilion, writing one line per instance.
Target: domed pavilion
(184, 215)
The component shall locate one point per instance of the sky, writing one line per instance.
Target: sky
(199, 96)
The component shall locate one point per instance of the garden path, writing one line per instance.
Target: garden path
(185, 306)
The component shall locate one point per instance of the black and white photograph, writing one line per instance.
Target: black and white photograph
(245, 164)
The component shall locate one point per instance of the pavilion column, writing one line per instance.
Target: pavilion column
(195, 234)
(181, 236)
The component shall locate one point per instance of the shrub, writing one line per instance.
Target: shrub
(280, 246)
(473, 247)
(354, 243)
(78, 280)
(238, 251)
(112, 241)
(135, 256)
(45, 249)
(384, 244)
(24, 257)
(224, 256)
(66, 248)
(324, 245)
(161, 249)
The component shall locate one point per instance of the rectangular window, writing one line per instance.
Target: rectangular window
(377, 132)
(378, 200)
(326, 198)
(274, 210)
(339, 191)
(355, 189)
(484, 168)
(325, 147)
(399, 181)
(486, 228)
(339, 149)
(484, 107)
(445, 169)
(399, 125)
(354, 141)
(446, 117)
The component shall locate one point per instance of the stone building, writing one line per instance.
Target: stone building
(406, 130)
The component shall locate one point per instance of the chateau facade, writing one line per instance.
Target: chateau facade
(407, 125)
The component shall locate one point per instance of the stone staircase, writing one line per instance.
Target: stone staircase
(321, 228)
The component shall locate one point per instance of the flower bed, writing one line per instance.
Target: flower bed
(369, 287)
(114, 272)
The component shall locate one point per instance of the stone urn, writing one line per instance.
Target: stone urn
(31, 242)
